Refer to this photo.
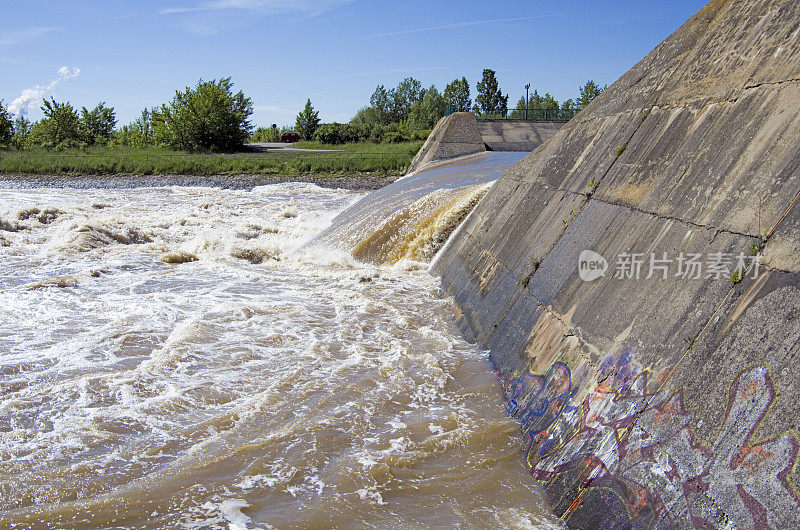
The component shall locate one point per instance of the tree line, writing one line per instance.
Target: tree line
(208, 117)
(408, 111)
(61, 126)
(212, 117)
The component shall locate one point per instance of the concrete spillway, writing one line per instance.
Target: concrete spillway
(515, 135)
(461, 134)
(413, 217)
(637, 279)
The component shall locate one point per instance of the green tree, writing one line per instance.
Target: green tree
(307, 121)
(58, 128)
(6, 126)
(425, 113)
(589, 91)
(457, 94)
(138, 133)
(568, 105)
(369, 116)
(402, 98)
(538, 102)
(381, 102)
(208, 118)
(143, 126)
(549, 102)
(490, 97)
(22, 129)
(371, 122)
(97, 126)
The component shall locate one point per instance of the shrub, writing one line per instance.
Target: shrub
(22, 129)
(138, 134)
(393, 137)
(6, 126)
(58, 129)
(209, 118)
(97, 126)
(266, 134)
(337, 133)
(343, 133)
(376, 133)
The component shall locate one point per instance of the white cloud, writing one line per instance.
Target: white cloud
(68, 72)
(32, 96)
(11, 38)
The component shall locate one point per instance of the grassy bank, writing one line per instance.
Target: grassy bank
(350, 159)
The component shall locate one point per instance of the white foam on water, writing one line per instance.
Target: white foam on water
(181, 352)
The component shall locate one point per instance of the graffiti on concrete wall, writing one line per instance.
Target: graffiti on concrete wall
(624, 445)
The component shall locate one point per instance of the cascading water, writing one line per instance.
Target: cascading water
(413, 218)
(416, 232)
(182, 357)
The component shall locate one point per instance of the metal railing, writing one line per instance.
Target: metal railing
(557, 115)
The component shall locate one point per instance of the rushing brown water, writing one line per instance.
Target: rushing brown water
(412, 218)
(176, 357)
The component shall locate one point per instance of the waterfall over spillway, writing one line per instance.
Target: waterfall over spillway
(413, 217)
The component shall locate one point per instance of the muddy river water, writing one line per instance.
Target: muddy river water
(180, 357)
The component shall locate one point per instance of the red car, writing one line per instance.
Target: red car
(290, 136)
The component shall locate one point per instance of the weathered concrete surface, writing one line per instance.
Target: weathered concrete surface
(514, 135)
(665, 401)
(454, 136)
(461, 134)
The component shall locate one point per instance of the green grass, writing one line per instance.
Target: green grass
(348, 160)
(363, 147)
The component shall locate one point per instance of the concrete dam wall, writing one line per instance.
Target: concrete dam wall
(462, 134)
(637, 280)
(515, 135)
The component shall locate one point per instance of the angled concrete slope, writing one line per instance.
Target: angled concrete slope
(513, 135)
(454, 136)
(461, 134)
(668, 401)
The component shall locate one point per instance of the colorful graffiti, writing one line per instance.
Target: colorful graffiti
(626, 446)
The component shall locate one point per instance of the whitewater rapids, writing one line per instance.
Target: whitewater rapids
(178, 357)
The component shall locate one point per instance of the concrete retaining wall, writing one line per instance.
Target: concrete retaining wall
(461, 134)
(514, 135)
(669, 400)
(454, 136)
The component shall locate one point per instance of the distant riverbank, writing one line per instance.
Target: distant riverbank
(353, 166)
(239, 182)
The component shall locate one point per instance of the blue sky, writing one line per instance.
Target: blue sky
(136, 54)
